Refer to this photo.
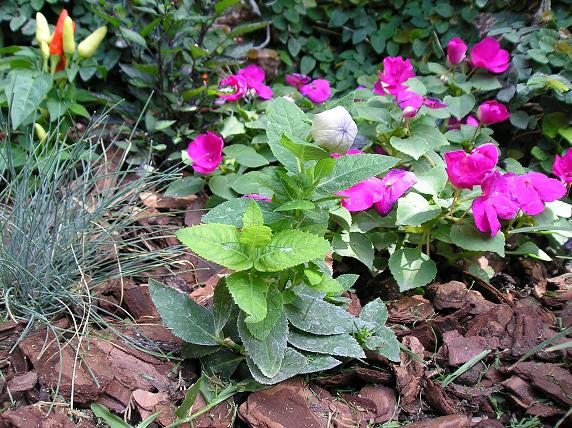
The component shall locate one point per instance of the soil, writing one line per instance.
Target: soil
(134, 368)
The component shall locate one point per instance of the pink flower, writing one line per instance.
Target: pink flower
(236, 84)
(349, 152)
(409, 102)
(394, 185)
(297, 80)
(396, 71)
(206, 152)
(496, 202)
(257, 197)
(363, 195)
(467, 120)
(491, 112)
(533, 189)
(488, 54)
(255, 76)
(379, 150)
(434, 104)
(468, 170)
(456, 50)
(317, 91)
(563, 166)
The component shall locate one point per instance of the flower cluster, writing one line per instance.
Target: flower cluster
(249, 79)
(396, 71)
(504, 195)
(317, 90)
(486, 54)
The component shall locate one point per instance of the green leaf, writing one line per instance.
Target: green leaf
(186, 186)
(290, 248)
(274, 310)
(285, 118)
(432, 182)
(266, 354)
(304, 151)
(191, 395)
(469, 238)
(186, 318)
(220, 185)
(553, 122)
(109, 418)
(133, 37)
(249, 292)
(414, 210)
(247, 28)
(530, 249)
(343, 345)
(222, 305)
(389, 346)
(163, 124)
(253, 215)
(411, 268)
(309, 313)
(218, 243)
(25, 90)
(296, 205)
(292, 364)
(222, 5)
(356, 245)
(79, 110)
(222, 363)
(375, 312)
(232, 126)
(484, 81)
(350, 170)
(245, 155)
(230, 212)
(460, 106)
(318, 363)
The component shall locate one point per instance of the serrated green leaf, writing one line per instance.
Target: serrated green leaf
(266, 354)
(350, 170)
(218, 243)
(469, 238)
(296, 205)
(318, 363)
(274, 310)
(290, 248)
(389, 346)
(375, 312)
(249, 292)
(186, 318)
(411, 268)
(252, 215)
(342, 345)
(292, 364)
(230, 212)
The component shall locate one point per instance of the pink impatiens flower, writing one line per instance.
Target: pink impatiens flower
(206, 152)
(396, 71)
(491, 112)
(349, 152)
(562, 167)
(255, 76)
(297, 80)
(409, 102)
(317, 90)
(456, 50)
(468, 170)
(467, 120)
(496, 202)
(488, 54)
(533, 189)
(363, 195)
(258, 197)
(237, 85)
(394, 185)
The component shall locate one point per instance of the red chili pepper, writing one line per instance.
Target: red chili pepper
(57, 43)
(61, 64)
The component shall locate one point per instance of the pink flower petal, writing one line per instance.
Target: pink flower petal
(206, 152)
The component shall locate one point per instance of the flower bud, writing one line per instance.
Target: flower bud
(42, 29)
(44, 50)
(41, 133)
(334, 130)
(68, 37)
(89, 45)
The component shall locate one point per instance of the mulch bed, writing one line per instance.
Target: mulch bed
(453, 322)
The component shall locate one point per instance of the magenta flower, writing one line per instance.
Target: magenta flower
(533, 189)
(394, 185)
(562, 167)
(409, 102)
(468, 170)
(488, 54)
(491, 112)
(255, 76)
(257, 197)
(396, 71)
(317, 91)
(467, 120)
(349, 152)
(363, 195)
(379, 150)
(236, 85)
(456, 50)
(297, 80)
(496, 202)
(206, 152)
(434, 104)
